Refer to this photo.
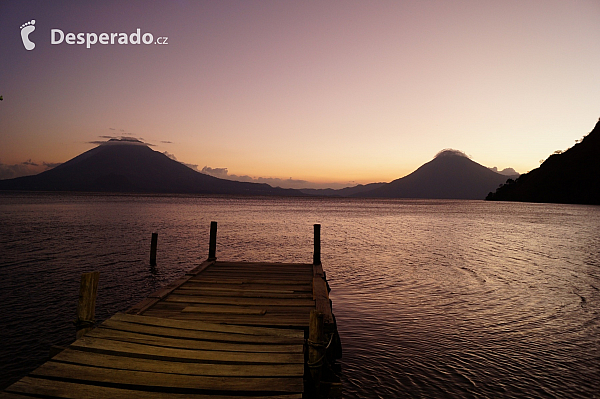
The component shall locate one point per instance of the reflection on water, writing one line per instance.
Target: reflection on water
(433, 298)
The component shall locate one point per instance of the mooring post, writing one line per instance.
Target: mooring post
(317, 251)
(86, 307)
(316, 347)
(212, 244)
(153, 246)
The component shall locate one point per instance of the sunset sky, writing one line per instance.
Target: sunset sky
(340, 92)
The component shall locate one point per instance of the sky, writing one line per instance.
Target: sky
(311, 93)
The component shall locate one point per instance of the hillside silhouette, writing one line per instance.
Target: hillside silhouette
(450, 175)
(133, 167)
(341, 192)
(570, 177)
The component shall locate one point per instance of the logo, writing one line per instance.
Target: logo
(57, 36)
(26, 29)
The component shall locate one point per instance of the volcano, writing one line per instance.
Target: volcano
(450, 175)
(130, 166)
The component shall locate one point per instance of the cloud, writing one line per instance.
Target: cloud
(51, 165)
(26, 168)
(112, 140)
(450, 151)
(111, 128)
(174, 158)
(505, 171)
(223, 173)
(191, 166)
(12, 171)
(167, 142)
(217, 172)
(170, 155)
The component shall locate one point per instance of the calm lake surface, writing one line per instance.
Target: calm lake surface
(432, 298)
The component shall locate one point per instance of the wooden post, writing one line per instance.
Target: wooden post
(86, 308)
(316, 347)
(153, 246)
(212, 244)
(317, 251)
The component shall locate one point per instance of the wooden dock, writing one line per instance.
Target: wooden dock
(224, 330)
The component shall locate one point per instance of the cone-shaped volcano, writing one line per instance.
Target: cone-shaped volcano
(450, 175)
(133, 167)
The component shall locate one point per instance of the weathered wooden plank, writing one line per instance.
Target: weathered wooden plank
(324, 306)
(262, 281)
(321, 296)
(266, 274)
(205, 335)
(166, 290)
(316, 346)
(177, 354)
(273, 279)
(298, 288)
(318, 270)
(162, 366)
(240, 301)
(231, 291)
(241, 293)
(250, 274)
(142, 306)
(106, 333)
(262, 273)
(319, 288)
(203, 326)
(275, 321)
(263, 264)
(86, 307)
(71, 390)
(233, 309)
(164, 380)
(200, 268)
(8, 395)
(223, 310)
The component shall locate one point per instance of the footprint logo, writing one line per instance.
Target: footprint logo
(26, 29)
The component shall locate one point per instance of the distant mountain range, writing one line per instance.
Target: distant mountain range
(130, 166)
(569, 177)
(133, 167)
(342, 192)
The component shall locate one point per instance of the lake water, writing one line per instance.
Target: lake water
(432, 298)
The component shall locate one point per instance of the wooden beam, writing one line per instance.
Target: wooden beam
(316, 347)
(64, 389)
(120, 348)
(212, 244)
(151, 380)
(162, 366)
(86, 307)
(153, 245)
(317, 245)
